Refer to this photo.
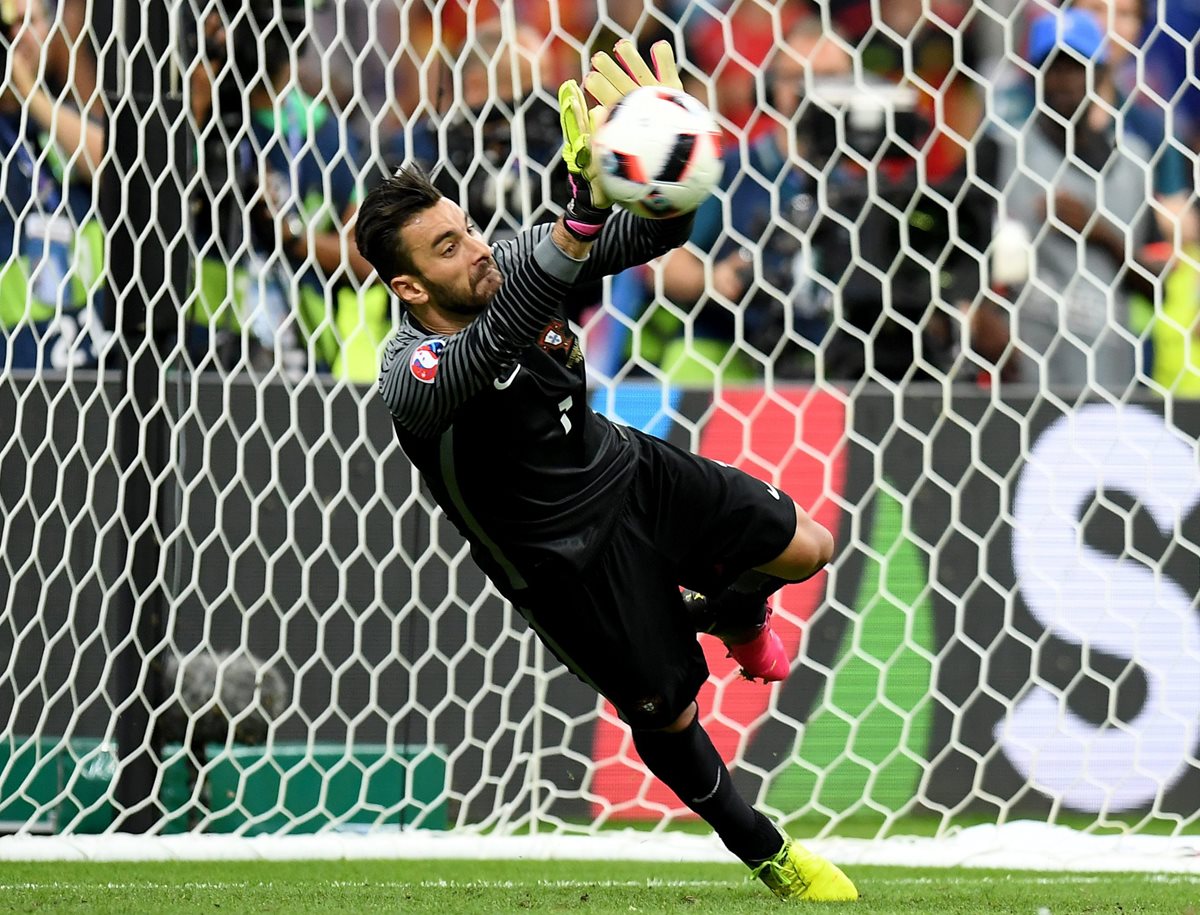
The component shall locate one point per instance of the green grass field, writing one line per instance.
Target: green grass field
(465, 888)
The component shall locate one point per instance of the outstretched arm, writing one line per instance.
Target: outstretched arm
(629, 240)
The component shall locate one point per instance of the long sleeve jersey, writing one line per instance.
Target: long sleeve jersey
(496, 416)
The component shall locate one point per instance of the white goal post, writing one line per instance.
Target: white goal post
(232, 618)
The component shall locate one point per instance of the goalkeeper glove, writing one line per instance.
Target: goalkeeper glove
(609, 82)
(588, 208)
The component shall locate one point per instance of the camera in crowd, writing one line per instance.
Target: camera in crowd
(483, 159)
(853, 248)
(877, 119)
(246, 45)
(254, 42)
(262, 36)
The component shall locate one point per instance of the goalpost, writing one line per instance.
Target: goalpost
(233, 623)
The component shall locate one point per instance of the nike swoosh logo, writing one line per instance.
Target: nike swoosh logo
(501, 385)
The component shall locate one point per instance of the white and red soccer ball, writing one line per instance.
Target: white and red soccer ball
(659, 152)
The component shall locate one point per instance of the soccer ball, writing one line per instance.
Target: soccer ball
(659, 152)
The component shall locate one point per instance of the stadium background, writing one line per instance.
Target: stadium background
(267, 518)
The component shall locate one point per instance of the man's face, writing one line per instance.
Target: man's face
(454, 269)
(26, 34)
(1065, 85)
(1122, 18)
(488, 78)
(825, 59)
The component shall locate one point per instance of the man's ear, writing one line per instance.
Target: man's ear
(410, 290)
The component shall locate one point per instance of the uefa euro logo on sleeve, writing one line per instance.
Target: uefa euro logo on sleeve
(424, 364)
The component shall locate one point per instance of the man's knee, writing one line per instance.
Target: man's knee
(818, 543)
(652, 716)
(809, 552)
(683, 721)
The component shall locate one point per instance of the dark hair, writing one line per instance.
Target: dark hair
(263, 36)
(383, 213)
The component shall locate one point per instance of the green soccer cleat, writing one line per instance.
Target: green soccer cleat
(798, 874)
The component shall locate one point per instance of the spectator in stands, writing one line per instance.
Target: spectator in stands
(731, 42)
(1122, 103)
(71, 74)
(1172, 329)
(1126, 104)
(564, 28)
(1169, 62)
(832, 242)
(50, 153)
(738, 278)
(280, 250)
(1143, 116)
(644, 22)
(1138, 112)
(1082, 198)
(501, 134)
(353, 63)
(905, 252)
(934, 55)
(70, 56)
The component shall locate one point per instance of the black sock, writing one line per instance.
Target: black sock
(741, 608)
(757, 585)
(687, 763)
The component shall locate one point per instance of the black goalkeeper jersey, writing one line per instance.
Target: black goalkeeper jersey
(496, 416)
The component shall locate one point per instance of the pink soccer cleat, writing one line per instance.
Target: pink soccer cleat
(763, 657)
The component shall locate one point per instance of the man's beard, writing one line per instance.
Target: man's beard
(453, 301)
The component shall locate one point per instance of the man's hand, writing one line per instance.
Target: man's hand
(9, 23)
(609, 82)
(1098, 230)
(1087, 222)
(1071, 211)
(206, 66)
(27, 33)
(731, 275)
(588, 208)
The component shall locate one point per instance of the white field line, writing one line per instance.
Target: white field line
(219, 885)
(375, 884)
(1013, 847)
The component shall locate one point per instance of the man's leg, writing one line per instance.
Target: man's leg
(683, 757)
(739, 615)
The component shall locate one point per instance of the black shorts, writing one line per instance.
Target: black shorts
(620, 625)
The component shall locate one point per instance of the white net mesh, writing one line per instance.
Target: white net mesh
(946, 298)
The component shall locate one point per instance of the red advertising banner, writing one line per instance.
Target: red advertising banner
(795, 440)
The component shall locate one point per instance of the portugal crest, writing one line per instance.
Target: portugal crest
(424, 362)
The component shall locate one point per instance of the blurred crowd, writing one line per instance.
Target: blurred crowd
(948, 192)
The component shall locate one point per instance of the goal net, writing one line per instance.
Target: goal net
(946, 298)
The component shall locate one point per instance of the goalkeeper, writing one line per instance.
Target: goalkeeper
(587, 527)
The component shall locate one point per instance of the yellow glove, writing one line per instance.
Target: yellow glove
(609, 82)
(589, 207)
